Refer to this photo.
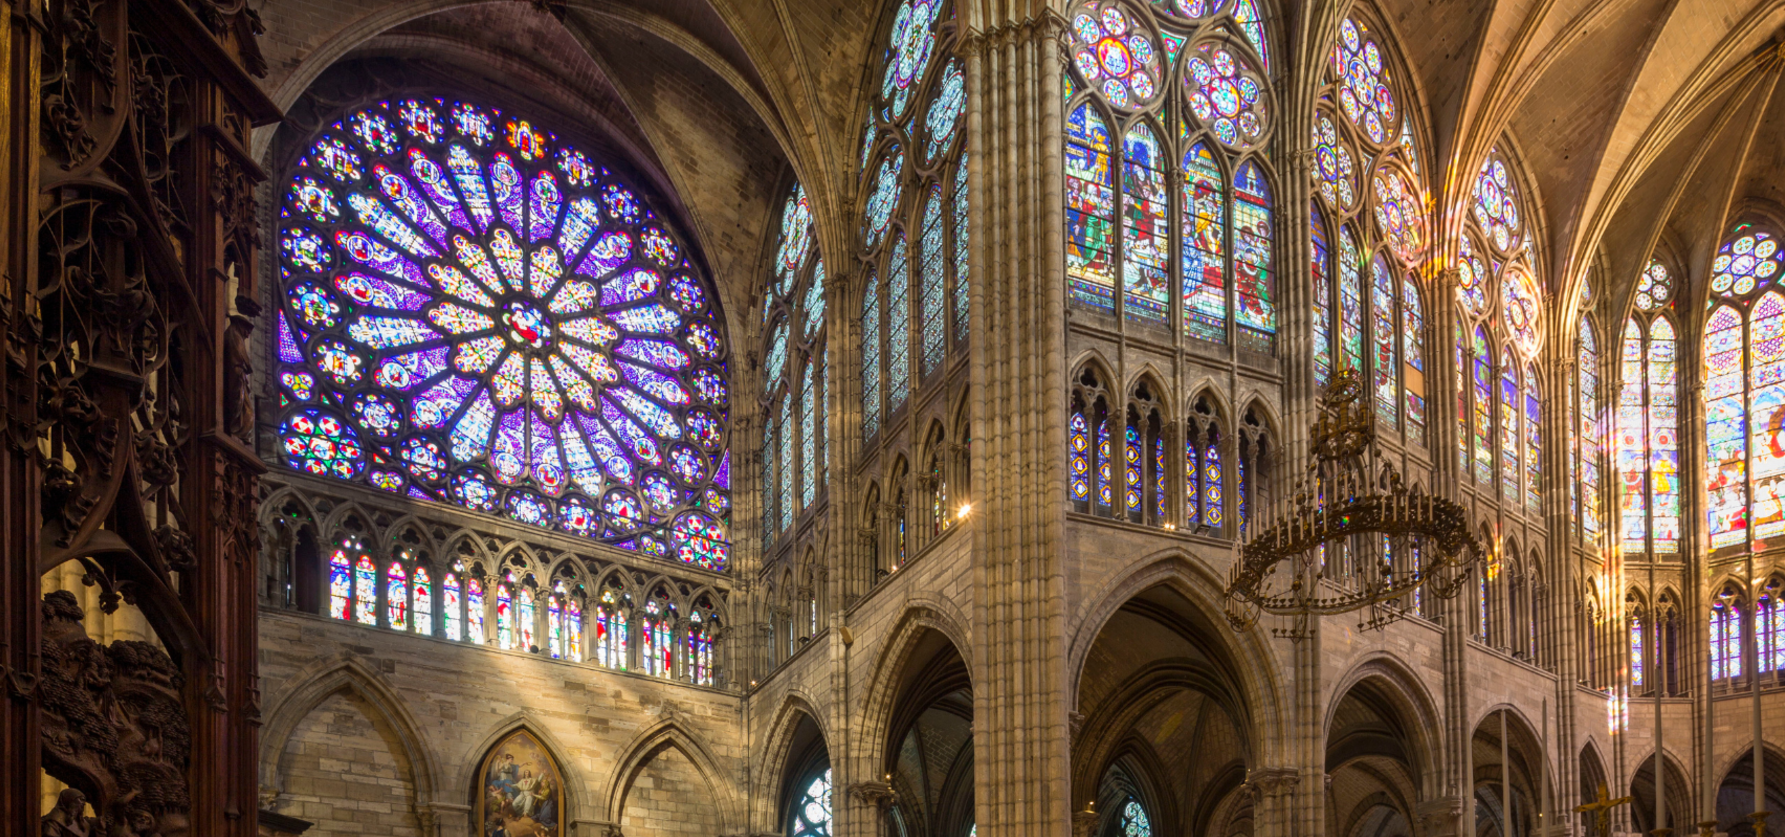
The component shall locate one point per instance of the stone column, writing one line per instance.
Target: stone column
(1015, 59)
(1273, 792)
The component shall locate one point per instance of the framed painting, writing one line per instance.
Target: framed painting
(520, 792)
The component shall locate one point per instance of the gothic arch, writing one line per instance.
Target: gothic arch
(347, 674)
(576, 786)
(922, 614)
(1388, 677)
(777, 745)
(644, 747)
(1189, 576)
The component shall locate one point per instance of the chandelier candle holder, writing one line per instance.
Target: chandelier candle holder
(1354, 535)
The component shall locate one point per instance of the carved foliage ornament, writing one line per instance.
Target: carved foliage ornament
(114, 727)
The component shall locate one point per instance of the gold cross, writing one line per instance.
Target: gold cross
(1600, 808)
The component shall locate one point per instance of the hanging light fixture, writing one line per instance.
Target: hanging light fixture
(1353, 536)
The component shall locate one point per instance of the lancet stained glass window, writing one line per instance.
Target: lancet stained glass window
(477, 312)
(1371, 195)
(915, 225)
(1648, 449)
(1744, 392)
(1590, 435)
(1205, 106)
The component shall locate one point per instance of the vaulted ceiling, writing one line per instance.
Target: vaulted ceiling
(1638, 122)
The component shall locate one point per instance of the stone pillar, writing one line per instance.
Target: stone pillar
(1015, 58)
(1273, 792)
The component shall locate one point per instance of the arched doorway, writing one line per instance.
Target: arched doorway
(1164, 740)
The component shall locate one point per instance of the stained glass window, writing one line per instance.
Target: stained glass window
(1509, 427)
(702, 626)
(811, 815)
(932, 315)
(1134, 494)
(452, 605)
(340, 581)
(1533, 441)
(915, 225)
(554, 622)
(1211, 483)
(1591, 509)
(1256, 313)
(1226, 95)
(1632, 443)
(1079, 454)
(612, 616)
(1351, 302)
(1769, 617)
(1413, 360)
(1726, 634)
(871, 357)
(657, 630)
(1636, 648)
(898, 327)
(396, 596)
(365, 591)
(1090, 210)
(1744, 351)
(1146, 237)
(1385, 366)
(1220, 114)
(1484, 399)
(474, 606)
(476, 312)
(1319, 265)
(1655, 288)
(1114, 55)
(962, 259)
(526, 617)
(1134, 822)
(573, 628)
(1204, 242)
(1105, 498)
(1364, 94)
(423, 613)
(505, 637)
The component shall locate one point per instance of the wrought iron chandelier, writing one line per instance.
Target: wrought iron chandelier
(1354, 535)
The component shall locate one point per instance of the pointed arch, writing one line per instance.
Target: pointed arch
(577, 801)
(922, 616)
(333, 676)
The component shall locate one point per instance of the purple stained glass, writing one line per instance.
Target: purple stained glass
(452, 336)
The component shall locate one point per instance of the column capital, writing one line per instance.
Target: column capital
(878, 794)
(1084, 823)
(1272, 781)
(1437, 816)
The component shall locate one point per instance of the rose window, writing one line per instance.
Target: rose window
(1744, 264)
(1363, 82)
(1226, 95)
(477, 313)
(1655, 287)
(1114, 56)
(913, 41)
(1495, 209)
(1334, 171)
(1400, 215)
